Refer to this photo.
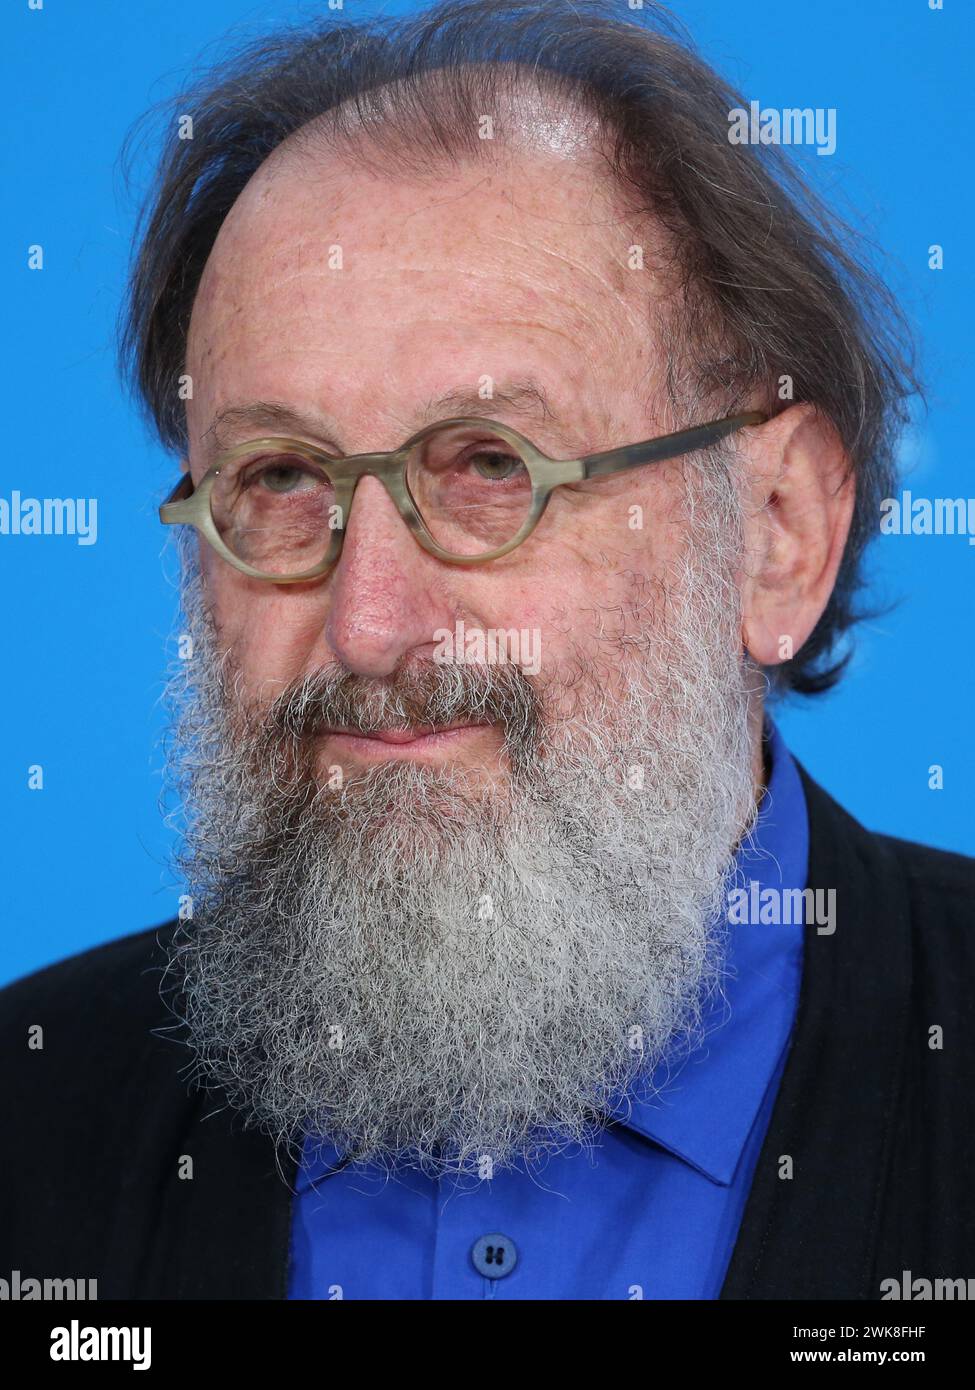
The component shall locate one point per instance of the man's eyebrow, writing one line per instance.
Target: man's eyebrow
(258, 417)
(524, 397)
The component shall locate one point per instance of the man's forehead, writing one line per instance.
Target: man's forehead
(529, 208)
(502, 275)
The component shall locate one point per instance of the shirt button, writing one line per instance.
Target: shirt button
(495, 1255)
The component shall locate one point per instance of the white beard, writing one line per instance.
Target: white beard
(429, 973)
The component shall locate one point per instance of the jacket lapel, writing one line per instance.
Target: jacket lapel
(225, 1232)
(813, 1235)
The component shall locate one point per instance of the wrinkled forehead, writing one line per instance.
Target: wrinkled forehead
(532, 167)
(306, 202)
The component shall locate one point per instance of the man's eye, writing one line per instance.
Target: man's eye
(495, 465)
(285, 477)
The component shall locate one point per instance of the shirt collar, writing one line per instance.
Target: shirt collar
(702, 1109)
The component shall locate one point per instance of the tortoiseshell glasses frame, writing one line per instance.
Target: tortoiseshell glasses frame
(189, 505)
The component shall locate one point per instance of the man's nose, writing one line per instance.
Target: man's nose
(381, 601)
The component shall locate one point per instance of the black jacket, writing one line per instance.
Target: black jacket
(879, 1124)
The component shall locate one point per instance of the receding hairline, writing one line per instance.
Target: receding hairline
(531, 111)
(539, 115)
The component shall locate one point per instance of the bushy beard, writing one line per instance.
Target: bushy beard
(431, 970)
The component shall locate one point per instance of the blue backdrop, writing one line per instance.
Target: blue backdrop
(87, 627)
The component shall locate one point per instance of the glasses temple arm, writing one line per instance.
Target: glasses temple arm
(182, 490)
(668, 446)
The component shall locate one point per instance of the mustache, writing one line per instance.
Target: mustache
(425, 695)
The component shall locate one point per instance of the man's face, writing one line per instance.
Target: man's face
(462, 945)
(513, 275)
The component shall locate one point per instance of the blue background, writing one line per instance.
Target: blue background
(87, 629)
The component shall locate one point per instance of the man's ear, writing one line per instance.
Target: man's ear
(799, 504)
(184, 465)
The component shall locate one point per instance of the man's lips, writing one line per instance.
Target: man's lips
(402, 737)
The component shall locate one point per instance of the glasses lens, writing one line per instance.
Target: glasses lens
(472, 488)
(275, 511)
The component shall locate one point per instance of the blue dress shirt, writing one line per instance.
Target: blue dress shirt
(652, 1211)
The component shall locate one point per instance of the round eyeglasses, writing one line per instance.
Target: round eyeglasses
(469, 489)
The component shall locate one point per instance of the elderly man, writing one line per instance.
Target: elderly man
(531, 430)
